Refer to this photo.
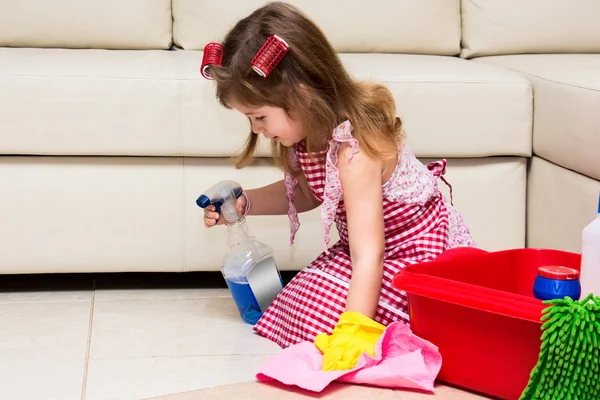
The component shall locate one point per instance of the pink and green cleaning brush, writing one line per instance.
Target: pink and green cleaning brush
(568, 366)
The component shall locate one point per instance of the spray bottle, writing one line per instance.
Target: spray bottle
(248, 267)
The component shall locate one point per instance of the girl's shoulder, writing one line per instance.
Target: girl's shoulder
(344, 133)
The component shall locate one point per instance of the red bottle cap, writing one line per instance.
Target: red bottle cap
(558, 273)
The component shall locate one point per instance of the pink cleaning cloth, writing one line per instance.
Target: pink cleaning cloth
(402, 361)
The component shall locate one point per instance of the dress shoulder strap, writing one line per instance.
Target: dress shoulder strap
(332, 192)
(290, 182)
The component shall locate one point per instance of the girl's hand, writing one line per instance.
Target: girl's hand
(353, 335)
(212, 218)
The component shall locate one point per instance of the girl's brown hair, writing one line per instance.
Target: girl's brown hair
(310, 84)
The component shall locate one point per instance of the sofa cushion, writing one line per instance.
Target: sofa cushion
(567, 106)
(89, 102)
(119, 214)
(495, 27)
(94, 102)
(452, 107)
(398, 26)
(108, 24)
(560, 203)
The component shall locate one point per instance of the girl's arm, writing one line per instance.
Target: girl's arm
(272, 199)
(361, 185)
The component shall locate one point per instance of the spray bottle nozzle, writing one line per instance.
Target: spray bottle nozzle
(222, 195)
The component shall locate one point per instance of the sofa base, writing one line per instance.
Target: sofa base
(138, 214)
(560, 204)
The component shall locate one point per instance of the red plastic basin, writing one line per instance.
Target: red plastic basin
(478, 308)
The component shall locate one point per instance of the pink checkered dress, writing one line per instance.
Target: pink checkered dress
(419, 225)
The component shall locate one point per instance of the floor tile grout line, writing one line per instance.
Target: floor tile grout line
(42, 301)
(88, 343)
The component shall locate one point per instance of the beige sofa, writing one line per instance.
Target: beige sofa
(108, 133)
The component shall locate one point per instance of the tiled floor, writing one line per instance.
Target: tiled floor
(101, 342)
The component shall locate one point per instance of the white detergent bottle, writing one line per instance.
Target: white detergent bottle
(590, 258)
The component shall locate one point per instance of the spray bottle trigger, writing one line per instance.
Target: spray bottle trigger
(218, 205)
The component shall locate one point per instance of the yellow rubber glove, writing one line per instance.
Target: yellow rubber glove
(353, 335)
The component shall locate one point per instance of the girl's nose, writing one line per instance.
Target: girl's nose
(257, 129)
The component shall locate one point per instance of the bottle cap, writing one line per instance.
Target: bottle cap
(558, 273)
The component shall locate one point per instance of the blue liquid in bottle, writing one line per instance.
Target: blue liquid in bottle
(244, 300)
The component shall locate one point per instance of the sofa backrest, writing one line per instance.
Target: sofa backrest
(489, 27)
(498, 27)
(394, 26)
(107, 24)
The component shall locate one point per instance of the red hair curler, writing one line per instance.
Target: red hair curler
(269, 55)
(213, 54)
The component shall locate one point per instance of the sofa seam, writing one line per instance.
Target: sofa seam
(180, 151)
(534, 76)
(460, 28)
(184, 223)
(543, 158)
(565, 84)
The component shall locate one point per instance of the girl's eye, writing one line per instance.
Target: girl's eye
(260, 118)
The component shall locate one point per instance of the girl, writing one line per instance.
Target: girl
(340, 146)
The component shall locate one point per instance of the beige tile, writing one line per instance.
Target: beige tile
(143, 294)
(262, 391)
(442, 392)
(137, 378)
(45, 296)
(44, 330)
(22, 379)
(172, 327)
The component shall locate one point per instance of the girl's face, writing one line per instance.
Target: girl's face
(273, 123)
